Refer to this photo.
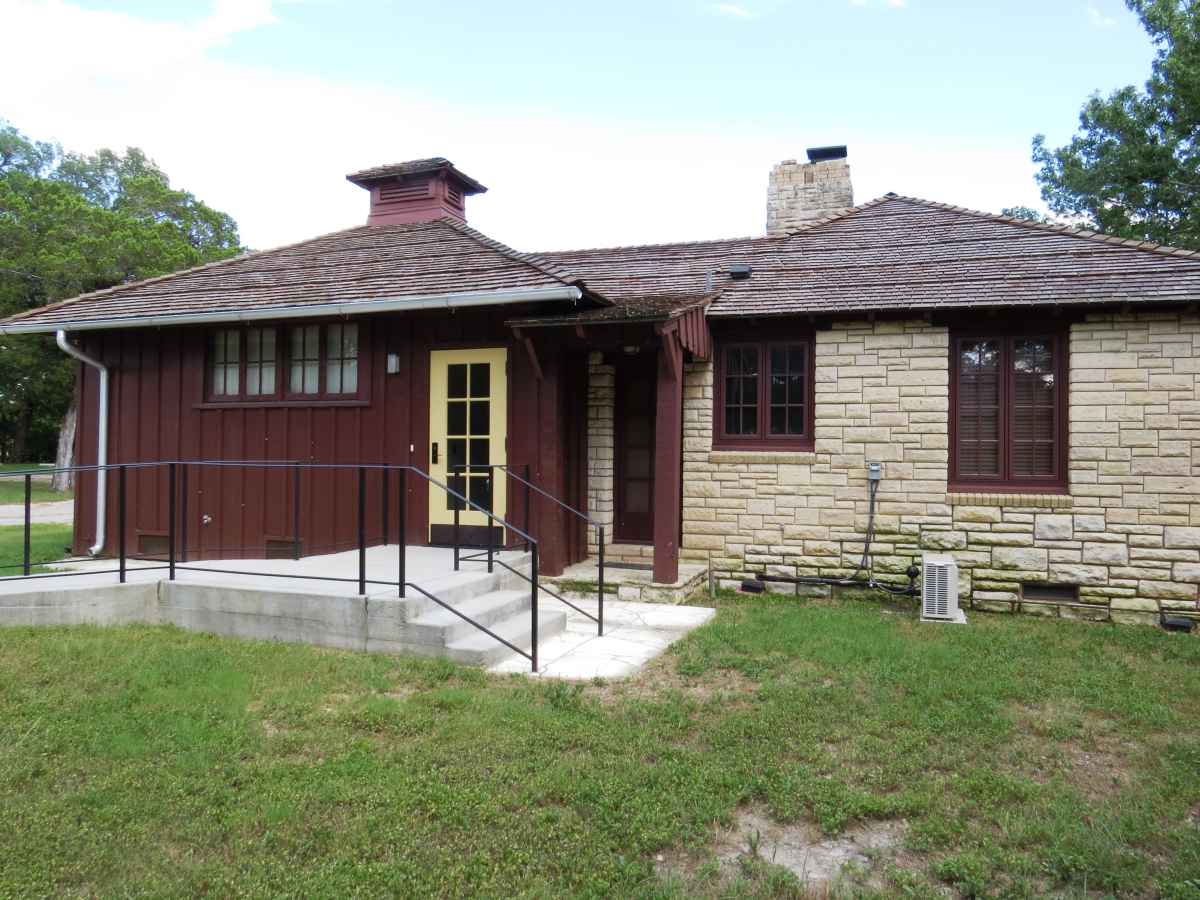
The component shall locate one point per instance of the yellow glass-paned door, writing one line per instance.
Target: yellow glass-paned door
(468, 426)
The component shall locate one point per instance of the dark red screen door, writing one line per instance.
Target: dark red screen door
(634, 435)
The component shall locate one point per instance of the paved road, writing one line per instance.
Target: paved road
(59, 512)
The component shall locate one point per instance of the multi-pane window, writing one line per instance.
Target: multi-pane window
(764, 395)
(299, 362)
(261, 362)
(225, 363)
(304, 360)
(341, 359)
(1008, 412)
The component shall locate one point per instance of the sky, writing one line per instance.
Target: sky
(592, 124)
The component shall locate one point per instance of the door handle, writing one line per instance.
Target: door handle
(433, 454)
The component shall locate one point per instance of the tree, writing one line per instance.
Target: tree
(1025, 214)
(69, 224)
(1133, 169)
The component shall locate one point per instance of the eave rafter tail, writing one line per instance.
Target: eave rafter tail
(530, 351)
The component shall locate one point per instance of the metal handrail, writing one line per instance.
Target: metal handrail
(599, 618)
(176, 467)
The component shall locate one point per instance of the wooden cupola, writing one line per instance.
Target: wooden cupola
(420, 190)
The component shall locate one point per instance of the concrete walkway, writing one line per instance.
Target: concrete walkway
(634, 634)
(57, 512)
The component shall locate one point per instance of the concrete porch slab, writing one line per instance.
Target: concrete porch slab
(633, 585)
(634, 634)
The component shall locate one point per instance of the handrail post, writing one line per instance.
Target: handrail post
(528, 493)
(295, 512)
(362, 530)
(491, 532)
(121, 482)
(25, 567)
(171, 521)
(183, 514)
(402, 537)
(600, 560)
(457, 503)
(533, 606)
(386, 530)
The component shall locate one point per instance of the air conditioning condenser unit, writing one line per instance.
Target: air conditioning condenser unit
(939, 589)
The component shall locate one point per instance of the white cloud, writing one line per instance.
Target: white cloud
(732, 10)
(893, 4)
(272, 148)
(1097, 18)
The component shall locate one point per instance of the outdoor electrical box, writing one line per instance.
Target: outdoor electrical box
(874, 471)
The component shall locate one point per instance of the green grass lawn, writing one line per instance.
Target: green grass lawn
(1019, 757)
(12, 490)
(47, 543)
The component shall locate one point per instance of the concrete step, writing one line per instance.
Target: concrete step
(479, 649)
(440, 626)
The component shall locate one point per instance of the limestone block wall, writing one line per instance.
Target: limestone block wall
(600, 437)
(1128, 530)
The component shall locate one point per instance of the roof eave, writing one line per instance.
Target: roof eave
(411, 303)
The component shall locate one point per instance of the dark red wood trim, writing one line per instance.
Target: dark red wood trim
(764, 441)
(668, 466)
(1055, 484)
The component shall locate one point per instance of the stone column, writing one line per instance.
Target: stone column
(600, 447)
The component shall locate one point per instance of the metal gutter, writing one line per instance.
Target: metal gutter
(345, 308)
(101, 437)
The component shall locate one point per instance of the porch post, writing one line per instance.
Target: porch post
(551, 526)
(668, 459)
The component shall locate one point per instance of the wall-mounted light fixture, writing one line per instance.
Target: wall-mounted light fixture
(393, 363)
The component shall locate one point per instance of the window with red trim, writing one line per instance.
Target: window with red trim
(764, 395)
(1008, 414)
(293, 362)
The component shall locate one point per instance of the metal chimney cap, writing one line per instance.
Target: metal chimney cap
(820, 154)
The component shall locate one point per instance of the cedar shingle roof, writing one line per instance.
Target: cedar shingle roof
(359, 264)
(892, 253)
(641, 309)
(897, 253)
(901, 252)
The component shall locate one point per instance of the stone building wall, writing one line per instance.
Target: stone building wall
(600, 437)
(1129, 529)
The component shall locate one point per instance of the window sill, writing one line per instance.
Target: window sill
(277, 404)
(793, 457)
(961, 495)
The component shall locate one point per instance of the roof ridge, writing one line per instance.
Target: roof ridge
(663, 244)
(104, 293)
(527, 258)
(1051, 228)
(838, 216)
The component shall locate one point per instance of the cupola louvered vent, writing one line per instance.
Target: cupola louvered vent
(397, 193)
(939, 592)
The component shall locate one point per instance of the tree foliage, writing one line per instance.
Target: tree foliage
(1133, 169)
(72, 223)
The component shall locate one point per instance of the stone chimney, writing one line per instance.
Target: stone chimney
(799, 194)
(420, 190)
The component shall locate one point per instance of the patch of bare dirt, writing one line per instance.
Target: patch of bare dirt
(1085, 749)
(818, 861)
(661, 676)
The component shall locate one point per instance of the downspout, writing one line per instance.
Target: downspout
(101, 436)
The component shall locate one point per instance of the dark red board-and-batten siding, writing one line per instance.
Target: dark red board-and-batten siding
(158, 412)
